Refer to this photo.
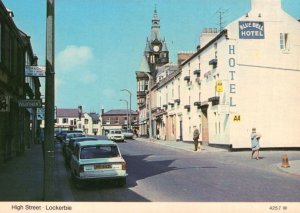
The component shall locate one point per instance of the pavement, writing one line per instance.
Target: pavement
(293, 169)
(21, 178)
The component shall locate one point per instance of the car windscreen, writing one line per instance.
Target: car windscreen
(118, 132)
(91, 152)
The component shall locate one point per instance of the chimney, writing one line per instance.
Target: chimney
(262, 5)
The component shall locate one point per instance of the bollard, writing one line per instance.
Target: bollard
(285, 161)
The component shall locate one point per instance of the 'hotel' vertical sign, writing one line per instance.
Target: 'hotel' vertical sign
(251, 30)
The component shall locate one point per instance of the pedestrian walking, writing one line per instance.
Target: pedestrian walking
(196, 138)
(255, 144)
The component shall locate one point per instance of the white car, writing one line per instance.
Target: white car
(115, 135)
(127, 133)
(93, 160)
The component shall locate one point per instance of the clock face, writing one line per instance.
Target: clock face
(156, 48)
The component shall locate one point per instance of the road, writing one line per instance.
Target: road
(160, 173)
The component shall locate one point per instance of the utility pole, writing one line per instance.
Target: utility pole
(126, 110)
(49, 105)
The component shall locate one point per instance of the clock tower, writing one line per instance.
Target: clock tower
(156, 50)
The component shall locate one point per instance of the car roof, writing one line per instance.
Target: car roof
(95, 143)
(86, 138)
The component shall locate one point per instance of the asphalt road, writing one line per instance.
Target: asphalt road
(160, 173)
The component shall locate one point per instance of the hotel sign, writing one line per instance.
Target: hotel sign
(251, 30)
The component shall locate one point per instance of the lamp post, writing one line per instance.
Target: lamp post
(126, 108)
(150, 111)
(49, 185)
(129, 105)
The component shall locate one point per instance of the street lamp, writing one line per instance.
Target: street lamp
(126, 108)
(150, 111)
(129, 106)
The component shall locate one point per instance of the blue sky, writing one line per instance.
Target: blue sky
(99, 43)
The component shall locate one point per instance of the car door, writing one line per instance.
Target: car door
(75, 160)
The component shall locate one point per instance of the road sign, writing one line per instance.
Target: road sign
(30, 103)
(40, 114)
(35, 71)
(236, 118)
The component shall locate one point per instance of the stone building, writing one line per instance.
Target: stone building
(18, 125)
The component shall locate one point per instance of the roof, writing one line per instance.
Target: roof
(94, 116)
(119, 112)
(222, 33)
(67, 113)
(144, 66)
(95, 143)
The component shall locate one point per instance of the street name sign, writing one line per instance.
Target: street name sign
(30, 103)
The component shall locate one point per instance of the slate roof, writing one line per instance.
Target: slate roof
(67, 113)
(94, 116)
(119, 112)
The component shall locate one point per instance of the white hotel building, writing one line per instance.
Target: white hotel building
(243, 77)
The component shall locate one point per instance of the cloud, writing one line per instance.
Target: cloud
(73, 57)
(89, 77)
(108, 93)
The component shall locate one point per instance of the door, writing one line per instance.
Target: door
(180, 130)
(205, 133)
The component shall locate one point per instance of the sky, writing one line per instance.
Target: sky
(99, 43)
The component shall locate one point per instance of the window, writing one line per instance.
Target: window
(216, 50)
(65, 120)
(86, 121)
(117, 120)
(284, 41)
(107, 120)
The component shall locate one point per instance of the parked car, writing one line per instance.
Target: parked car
(97, 160)
(61, 136)
(67, 138)
(127, 133)
(115, 135)
(71, 146)
(72, 142)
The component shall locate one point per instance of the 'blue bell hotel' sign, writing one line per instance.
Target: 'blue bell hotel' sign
(251, 30)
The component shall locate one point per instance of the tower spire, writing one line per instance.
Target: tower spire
(155, 28)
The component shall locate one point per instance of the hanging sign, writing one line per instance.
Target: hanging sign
(30, 103)
(251, 30)
(35, 71)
